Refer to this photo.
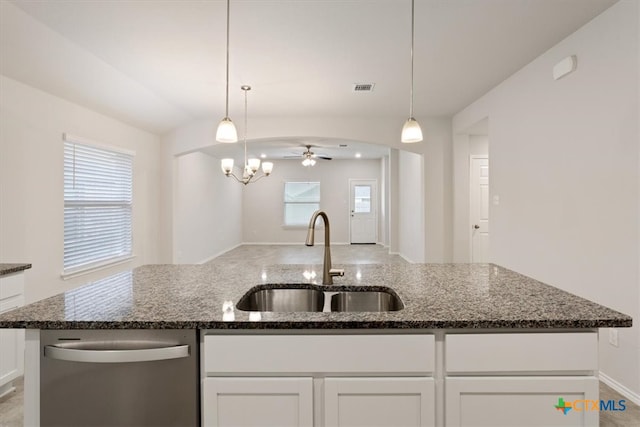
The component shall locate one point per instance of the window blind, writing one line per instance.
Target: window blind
(301, 199)
(98, 193)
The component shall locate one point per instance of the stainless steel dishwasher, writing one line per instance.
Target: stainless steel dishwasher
(119, 378)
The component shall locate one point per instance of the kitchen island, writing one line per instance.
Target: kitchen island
(474, 343)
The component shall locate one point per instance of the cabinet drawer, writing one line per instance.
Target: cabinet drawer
(11, 285)
(534, 352)
(331, 354)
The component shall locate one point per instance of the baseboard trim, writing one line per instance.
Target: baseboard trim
(204, 261)
(623, 390)
(319, 242)
(405, 258)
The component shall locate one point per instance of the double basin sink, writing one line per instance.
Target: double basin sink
(313, 298)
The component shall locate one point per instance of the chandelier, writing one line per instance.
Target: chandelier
(251, 166)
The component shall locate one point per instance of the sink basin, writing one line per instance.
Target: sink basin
(282, 300)
(311, 298)
(354, 301)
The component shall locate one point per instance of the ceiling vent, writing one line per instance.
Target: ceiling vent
(363, 87)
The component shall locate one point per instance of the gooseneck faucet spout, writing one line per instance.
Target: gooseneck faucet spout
(327, 271)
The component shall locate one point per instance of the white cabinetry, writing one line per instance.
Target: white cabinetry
(244, 402)
(494, 378)
(330, 380)
(11, 340)
(519, 401)
(379, 402)
(517, 379)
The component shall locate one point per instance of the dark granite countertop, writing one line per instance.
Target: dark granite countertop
(436, 296)
(13, 268)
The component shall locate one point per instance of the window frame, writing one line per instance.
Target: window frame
(108, 261)
(286, 203)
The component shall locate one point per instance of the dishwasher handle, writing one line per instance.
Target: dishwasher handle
(116, 355)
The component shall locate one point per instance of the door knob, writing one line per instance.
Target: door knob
(476, 226)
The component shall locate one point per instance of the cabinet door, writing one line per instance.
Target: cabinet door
(521, 401)
(378, 402)
(244, 402)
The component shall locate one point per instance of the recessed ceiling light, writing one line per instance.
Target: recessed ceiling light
(263, 156)
(358, 155)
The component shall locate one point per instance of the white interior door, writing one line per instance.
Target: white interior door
(364, 211)
(479, 208)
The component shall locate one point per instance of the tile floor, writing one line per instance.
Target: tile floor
(301, 254)
(11, 405)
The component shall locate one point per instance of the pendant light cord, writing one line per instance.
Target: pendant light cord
(245, 88)
(226, 114)
(411, 92)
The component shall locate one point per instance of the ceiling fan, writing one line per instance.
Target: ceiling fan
(308, 156)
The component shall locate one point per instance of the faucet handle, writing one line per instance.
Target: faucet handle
(336, 272)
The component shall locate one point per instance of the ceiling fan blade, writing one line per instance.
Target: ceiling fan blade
(292, 157)
(324, 157)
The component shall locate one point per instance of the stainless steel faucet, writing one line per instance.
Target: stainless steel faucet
(327, 271)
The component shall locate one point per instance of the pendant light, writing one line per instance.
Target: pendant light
(226, 129)
(251, 166)
(411, 131)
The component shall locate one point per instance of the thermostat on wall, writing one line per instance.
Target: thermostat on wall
(567, 66)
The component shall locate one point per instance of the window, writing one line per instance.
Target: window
(301, 200)
(362, 199)
(98, 192)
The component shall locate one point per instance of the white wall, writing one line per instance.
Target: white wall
(263, 213)
(411, 207)
(638, 132)
(564, 161)
(207, 209)
(394, 201)
(478, 145)
(437, 177)
(31, 183)
(384, 201)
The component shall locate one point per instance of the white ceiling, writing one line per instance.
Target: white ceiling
(159, 64)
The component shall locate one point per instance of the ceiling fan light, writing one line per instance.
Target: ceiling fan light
(226, 132)
(411, 131)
